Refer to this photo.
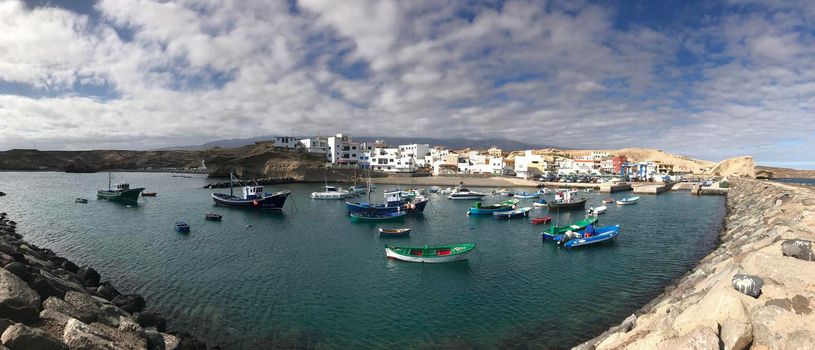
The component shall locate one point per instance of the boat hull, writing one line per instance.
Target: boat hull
(466, 197)
(576, 205)
(603, 234)
(517, 213)
(411, 207)
(393, 252)
(271, 202)
(131, 195)
(357, 217)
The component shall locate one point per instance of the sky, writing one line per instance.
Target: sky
(708, 79)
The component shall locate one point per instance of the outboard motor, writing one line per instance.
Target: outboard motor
(568, 236)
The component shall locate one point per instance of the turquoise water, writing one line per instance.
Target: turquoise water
(309, 277)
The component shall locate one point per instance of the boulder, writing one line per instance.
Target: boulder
(90, 276)
(18, 302)
(799, 340)
(107, 291)
(111, 315)
(171, 342)
(5, 323)
(61, 306)
(701, 338)
(155, 341)
(748, 284)
(151, 319)
(53, 322)
(83, 302)
(19, 336)
(129, 335)
(770, 323)
(81, 336)
(187, 341)
(20, 270)
(715, 307)
(798, 248)
(736, 335)
(49, 285)
(129, 302)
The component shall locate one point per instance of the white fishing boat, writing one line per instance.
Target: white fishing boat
(463, 193)
(332, 192)
(594, 211)
(628, 200)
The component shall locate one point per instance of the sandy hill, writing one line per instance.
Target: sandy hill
(737, 166)
(783, 173)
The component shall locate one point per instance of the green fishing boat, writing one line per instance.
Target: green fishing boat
(431, 254)
(478, 209)
(556, 230)
(119, 192)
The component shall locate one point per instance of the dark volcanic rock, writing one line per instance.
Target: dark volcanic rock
(798, 248)
(152, 319)
(49, 285)
(189, 342)
(18, 302)
(89, 276)
(20, 270)
(129, 302)
(748, 284)
(107, 291)
(59, 305)
(19, 336)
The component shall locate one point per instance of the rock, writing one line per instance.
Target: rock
(89, 276)
(5, 323)
(129, 335)
(736, 335)
(171, 342)
(798, 248)
(801, 305)
(19, 336)
(18, 302)
(769, 325)
(155, 341)
(107, 291)
(20, 270)
(129, 302)
(53, 322)
(151, 319)
(713, 309)
(187, 341)
(748, 284)
(702, 338)
(85, 303)
(49, 285)
(111, 315)
(799, 340)
(81, 336)
(58, 305)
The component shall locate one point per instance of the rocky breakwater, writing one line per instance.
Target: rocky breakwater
(756, 290)
(48, 302)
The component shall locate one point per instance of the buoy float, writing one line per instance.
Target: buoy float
(255, 202)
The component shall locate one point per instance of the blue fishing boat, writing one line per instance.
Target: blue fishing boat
(252, 197)
(371, 216)
(525, 195)
(394, 201)
(539, 203)
(182, 227)
(600, 235)
(478, 209)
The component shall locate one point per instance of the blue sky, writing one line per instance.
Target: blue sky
(707, 79)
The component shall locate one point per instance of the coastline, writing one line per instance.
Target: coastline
(767, 234)
(49, 302)
(449, 181)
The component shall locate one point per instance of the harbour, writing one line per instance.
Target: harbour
(262, 278)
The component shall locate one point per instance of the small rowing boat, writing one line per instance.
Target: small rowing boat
(541, 220)
(539, 203)
(515, 213)
(148, 194)
(213, 216)
(478, 209)
(525, 195)
(608, 200)
(394, 232)
(628, 200)
(81, 200)
(182, 227)
(594, 211)
(431, 254)
(557, 230)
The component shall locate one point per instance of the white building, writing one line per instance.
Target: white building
(529, 164)
(607, 166)
(315, 145)
(391, 159)
(565, 166)
(418, 152)
(587, 166)
(599, 155)
(285, 142)
(343, 150)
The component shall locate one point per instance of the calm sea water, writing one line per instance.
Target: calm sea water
(798, 181)
(309, 277)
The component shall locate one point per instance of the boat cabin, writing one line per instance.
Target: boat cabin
(394, 196)
(331, 189)
(121, 187)
(250, 192)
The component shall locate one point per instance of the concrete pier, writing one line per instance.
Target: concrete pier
(611, 188)
(652, 189)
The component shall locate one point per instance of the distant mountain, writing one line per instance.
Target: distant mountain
(452, 143)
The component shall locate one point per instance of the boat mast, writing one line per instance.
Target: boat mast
(110, 178)
(230, 184)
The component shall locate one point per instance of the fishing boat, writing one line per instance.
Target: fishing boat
(81, 200)
(332, 192)
(594, 211)
(478, 209)
(371, 216)
(600, 235)
(544, 191)
(434, 189)
(567, 200)
(499, 191)
(182, 227)
(395, 200)
(431, 254)
(539, 203)
(119, 192)
(252, 196)
(554, 230)
(608, 200)
(628, 200)
(515, 213)
(148, 194)
(541, 220)
(394, 232)
(588, 190)
(525, 195)
(213, 217)
(463, 193)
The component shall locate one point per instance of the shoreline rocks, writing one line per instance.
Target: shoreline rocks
(755, 290)
(48, 302)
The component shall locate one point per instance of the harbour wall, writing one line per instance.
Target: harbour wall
(756, 290)
(49, 302)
